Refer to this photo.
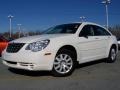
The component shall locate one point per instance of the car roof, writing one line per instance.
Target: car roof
(88, 23)
(91, 23)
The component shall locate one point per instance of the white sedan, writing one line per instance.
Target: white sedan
(61, 47)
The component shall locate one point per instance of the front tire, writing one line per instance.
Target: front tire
(112, 55)
(64, 63)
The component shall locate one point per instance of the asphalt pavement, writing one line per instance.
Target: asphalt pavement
(91, 76)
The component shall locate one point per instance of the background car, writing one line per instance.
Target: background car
(3, 44)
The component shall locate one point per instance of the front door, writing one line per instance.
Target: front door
(90, 46)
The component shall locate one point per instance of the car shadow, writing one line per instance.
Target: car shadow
(29, 73)
(48, 73)
(78, 66)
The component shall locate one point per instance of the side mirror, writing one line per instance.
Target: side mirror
(86, 36)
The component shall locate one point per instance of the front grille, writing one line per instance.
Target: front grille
(14, 47)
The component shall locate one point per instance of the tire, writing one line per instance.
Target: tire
(64, 63)
(112, 55)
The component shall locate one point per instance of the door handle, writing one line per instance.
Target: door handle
(96, 38)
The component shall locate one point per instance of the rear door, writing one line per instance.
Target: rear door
(103, 37)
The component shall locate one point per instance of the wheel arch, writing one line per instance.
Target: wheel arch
(113, 46)
(70, 48)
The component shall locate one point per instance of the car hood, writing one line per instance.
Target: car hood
(31, 39)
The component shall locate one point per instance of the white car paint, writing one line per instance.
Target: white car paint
(88, 49)
(119, 44)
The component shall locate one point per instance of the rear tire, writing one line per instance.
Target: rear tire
(64, 63)
(112, 55)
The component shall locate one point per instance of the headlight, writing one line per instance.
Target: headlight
(38, 46)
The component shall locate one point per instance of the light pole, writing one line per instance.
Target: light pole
(107, 2)
(19, 28)
(82, 18)
(10, 19)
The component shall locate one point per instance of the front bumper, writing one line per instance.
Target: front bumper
(27, 60)
(20, 65)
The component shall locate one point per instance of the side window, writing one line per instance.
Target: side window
(99, 31)
(86, 31)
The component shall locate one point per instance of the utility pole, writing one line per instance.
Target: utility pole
(10, 20)
(107, 2)
(19, 29)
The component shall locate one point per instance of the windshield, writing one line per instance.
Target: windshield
(63, 29)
